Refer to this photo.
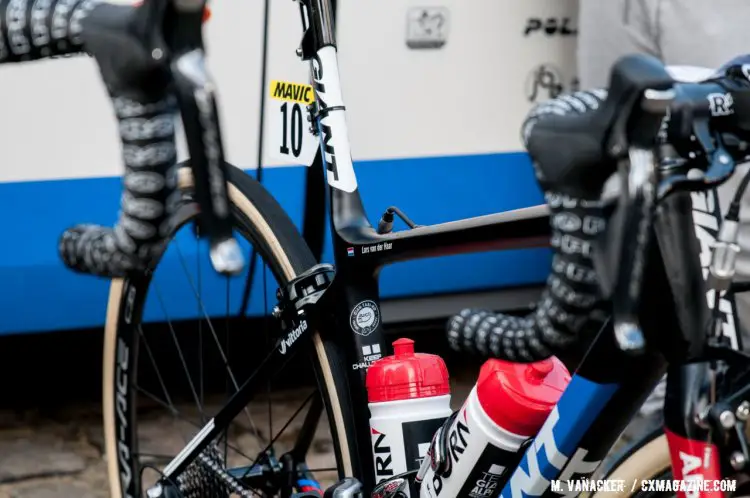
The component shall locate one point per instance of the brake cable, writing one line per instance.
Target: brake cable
(385, 225)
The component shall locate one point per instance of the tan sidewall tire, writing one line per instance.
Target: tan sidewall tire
(649, 461)
(110, 339)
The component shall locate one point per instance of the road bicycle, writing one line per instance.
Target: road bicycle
(316, 303)
(152, 61)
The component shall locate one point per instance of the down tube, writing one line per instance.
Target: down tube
(600, 400)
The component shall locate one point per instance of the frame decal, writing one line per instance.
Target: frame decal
(555, 453)
(364, 318)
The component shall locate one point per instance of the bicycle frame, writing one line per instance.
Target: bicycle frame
(359, 251)
(600, 400)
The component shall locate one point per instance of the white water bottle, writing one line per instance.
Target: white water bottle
(409, 399)
(507, 406)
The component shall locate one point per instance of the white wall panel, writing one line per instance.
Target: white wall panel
(465, 98)
(57, 122)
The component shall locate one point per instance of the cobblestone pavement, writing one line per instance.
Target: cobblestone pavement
(60, 455)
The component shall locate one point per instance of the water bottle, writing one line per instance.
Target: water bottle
(504, 411)
(409, 399)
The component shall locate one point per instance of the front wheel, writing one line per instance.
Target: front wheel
(646, 459)
(159, 388)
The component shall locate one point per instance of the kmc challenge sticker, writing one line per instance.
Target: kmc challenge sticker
(365, 318)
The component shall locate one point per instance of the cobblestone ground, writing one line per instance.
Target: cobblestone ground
(62, 455)
(58, 453)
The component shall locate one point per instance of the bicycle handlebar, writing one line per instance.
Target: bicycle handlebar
(694, 131)
(578, 152)
(644, 109)
(151, 59)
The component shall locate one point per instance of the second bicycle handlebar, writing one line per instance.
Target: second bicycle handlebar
(578, 152)
(673, 136)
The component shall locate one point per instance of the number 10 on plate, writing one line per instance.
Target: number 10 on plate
(291, 140)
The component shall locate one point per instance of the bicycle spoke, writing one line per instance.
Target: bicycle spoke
(291, 419)
(179, 350)
(288, 422)
(176, 413)
(246, 292)
(216, 339)
(309, 426)
(154, 363)
(155, 398)
(236, 452)
(229, 352)
(200, 322)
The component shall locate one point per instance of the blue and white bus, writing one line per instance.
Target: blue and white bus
(435, 98)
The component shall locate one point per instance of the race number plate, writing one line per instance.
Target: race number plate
(292, 142)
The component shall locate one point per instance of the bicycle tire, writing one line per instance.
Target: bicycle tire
(648, 458)
(277, 240)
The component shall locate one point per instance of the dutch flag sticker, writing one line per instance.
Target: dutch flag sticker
(350, 251)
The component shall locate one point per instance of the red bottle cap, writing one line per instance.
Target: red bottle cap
(406, 375)
(519, 396)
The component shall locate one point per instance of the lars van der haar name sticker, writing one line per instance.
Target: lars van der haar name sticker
(365, 318)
